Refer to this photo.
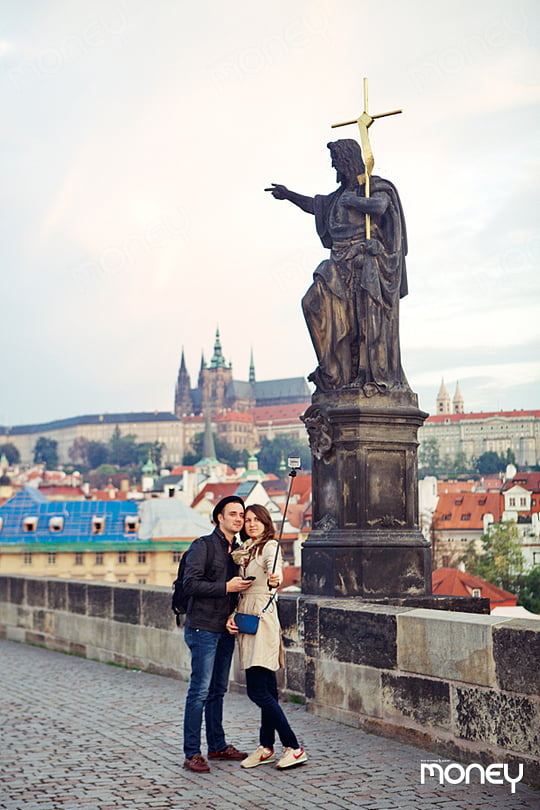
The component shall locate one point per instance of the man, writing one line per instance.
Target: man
(211, 580)
(352, 307)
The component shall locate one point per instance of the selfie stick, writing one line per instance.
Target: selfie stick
(294, 464)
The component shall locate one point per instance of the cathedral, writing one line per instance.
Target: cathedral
(217, 391)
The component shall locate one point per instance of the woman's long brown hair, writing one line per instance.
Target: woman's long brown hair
(262, 513)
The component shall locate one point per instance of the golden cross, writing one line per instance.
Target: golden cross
(364, 123)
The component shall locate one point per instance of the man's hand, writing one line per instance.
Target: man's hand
(237, 584)
(231, 625)
(278, 191)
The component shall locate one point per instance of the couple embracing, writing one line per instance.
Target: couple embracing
(222, 576)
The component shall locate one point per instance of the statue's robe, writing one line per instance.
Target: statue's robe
(352, 307)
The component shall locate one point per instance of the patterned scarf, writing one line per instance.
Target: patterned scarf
(243, 554)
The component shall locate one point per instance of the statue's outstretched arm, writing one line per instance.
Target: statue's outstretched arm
(282, 193)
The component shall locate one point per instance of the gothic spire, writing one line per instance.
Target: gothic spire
(251, 368)
(217, 361)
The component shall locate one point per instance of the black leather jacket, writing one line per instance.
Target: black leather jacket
(208, 567)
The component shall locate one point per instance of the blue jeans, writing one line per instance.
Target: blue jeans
(262, 690)
(211, 656)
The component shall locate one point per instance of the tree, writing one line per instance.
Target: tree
(102, 475)
(46, 452)
(274, 451)
(529, 590)
(501, 559)
(78, 451)
(225, 452)
(97, 454)
(152, 449)
(122, 449)
(10, 452)
(490, 462)
(429, 457)
(460, 465)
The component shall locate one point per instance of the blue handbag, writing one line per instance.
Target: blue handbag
(249, 622)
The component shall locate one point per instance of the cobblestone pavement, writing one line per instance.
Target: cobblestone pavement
(81, 734)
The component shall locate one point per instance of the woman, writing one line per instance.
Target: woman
(261, 654)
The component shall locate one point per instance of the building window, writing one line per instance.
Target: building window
(536, 557)
(466, 516)
(511, 501)
(121, 579)
(98, 524)
(523, 501)
(78, 558)
(176, 556)
(141, 581)
(131, 524)
(28, 558)
(56, 524)
(122, 557)
(477, 592)
(51, 558)
(30, 524)
(141, 557)
(99, 558)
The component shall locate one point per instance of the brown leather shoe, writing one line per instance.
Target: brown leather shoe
(197, 764)
(228, 753)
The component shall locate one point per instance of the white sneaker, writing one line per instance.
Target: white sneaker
(258, 757)
(291, 757)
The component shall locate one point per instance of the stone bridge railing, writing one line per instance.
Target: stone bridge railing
(465, 686)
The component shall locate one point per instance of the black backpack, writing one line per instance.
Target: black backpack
(181, 603)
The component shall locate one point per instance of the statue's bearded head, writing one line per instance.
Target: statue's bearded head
(346, 159)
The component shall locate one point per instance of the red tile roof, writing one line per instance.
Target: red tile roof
(453, 582)
(60, 492)
(218, 491)
(527, 480)
(279, 413)
(441, 418)
(452, 507)
(235, 416)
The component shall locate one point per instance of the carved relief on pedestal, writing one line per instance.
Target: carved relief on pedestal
(326, 524)
(320, 434)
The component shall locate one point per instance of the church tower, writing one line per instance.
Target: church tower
(215, 379)
(444, 404)
(459, 405)
(251, 368)
(182, 396)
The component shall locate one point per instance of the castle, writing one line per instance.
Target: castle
(217, 391)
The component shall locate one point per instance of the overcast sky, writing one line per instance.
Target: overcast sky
(137, 139)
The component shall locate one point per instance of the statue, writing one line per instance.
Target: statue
(352, 307)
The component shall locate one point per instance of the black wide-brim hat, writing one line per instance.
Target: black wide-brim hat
(219, 507)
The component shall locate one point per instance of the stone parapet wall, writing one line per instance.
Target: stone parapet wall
(131, 626)
(462, 685)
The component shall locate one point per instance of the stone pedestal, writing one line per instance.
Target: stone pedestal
(365, 539)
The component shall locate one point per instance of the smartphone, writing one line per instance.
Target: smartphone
(246, 579)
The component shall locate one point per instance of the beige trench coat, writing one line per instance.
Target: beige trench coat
(264, 649)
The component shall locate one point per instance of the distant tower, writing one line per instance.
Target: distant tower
(182, 396)
(209, 449)
(215, 379)
(444, 403)
(251, 368)
(459, 405)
